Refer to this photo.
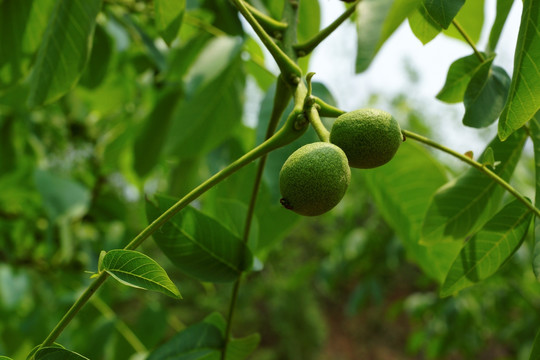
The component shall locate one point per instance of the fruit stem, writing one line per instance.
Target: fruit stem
(305, 48)
(327, 110)
(288, 67)
(475, 164)
(468, 40)
(313, 117)
(268, 23)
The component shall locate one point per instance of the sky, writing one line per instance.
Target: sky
(333, 63)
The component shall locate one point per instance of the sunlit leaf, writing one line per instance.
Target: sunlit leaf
(471, 18)
(524, 98)
(422, 26)
(199, 245)
(442, 12)
(169, 15)
(485, 95)
(64, 50)
(5, 358)
(489, 248)
(402, 197)
(376, 21)
(462, 206)
(309, 19)
(55, 353)
(459, 76)
(199, 341)
(22, 24)
(503, 9)
(135, 269)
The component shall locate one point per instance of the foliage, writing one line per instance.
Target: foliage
(123, 120)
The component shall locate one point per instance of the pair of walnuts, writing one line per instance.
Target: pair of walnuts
(315, 177)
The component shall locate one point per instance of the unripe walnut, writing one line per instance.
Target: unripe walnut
(314, 178)
(369, 137)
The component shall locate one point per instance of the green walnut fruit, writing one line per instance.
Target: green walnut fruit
(369, 137)
(314, 178)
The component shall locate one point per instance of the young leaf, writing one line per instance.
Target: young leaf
(199, 245)
(535, 351)
(198, 341)
(376, 21)
(485, 95)
(535, 136)
(64, 50)
(137, 270)
(503, 9)
(423, 26)
(56, 353)
(402, 197)
(459, 76)
(462, 206)
(442, 12)
(169, 14)
(489, 248)
(150, 141)
(524, 98)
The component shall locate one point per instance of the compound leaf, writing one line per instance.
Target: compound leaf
(199, 245)
(524, 98)
(459, 76)
(462, 206)
(489, 248)
(137, 270)
(64, 50)
(485, 95)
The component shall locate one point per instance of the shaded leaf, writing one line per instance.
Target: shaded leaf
(485, 95)
(64, 50)
(471, 18)
(459, 76)
(524, 98)
(376, 21)
(199, 245)
(535, 136)
(462, 206)
(151, 138)
(137, 270)
(5, 358)
(503, 9)
(255, 65)
(442, 12)
(201, 340)
(489, 248)
(422, 26)
(98, 65)
(22, 24)
(535, 351)
(240, 349)
(56, 353)
(402, 197)
(169, 14)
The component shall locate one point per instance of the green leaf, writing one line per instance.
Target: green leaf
(471, 19)
(22, 24)
(255, 65)
(442, 12)
(62, 198)
(56, 353)
(489, 248)
(213, 105)
(402, 197)
(240, 349)
(169, 14)
(503, 9)
(198, 341)
(524, 99)
(486, 95)
(64, 50)
(535, 351)
(98, 65)
(422, 26)
(376, 21)
(5, 358)
(459, 76)
(462, 206)
(150, 141)
(137, 270)
(199, 245)
(535, 136)
(309, 19)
